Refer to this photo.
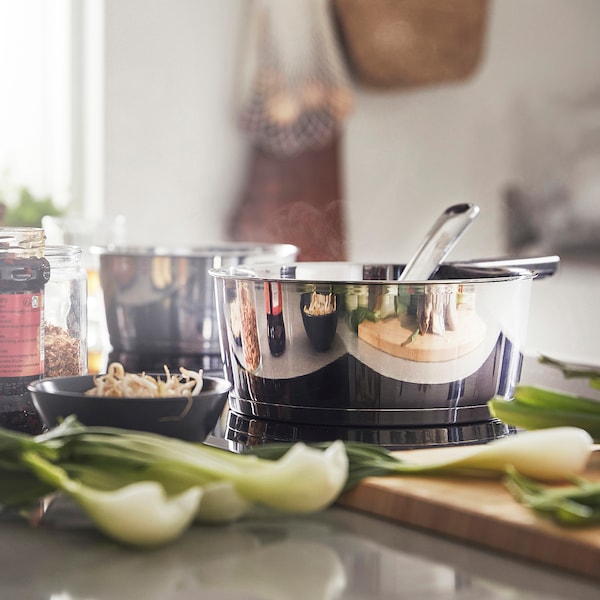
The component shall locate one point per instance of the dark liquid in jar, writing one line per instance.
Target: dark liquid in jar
(20, 276)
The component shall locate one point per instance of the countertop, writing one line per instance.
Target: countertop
(337, 554)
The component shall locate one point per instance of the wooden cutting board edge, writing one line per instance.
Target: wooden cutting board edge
(489, 518)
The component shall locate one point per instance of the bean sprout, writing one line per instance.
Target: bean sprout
(321, 304)
(117, 383)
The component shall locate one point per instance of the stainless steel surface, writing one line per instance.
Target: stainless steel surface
(541, 266)
(240, 432)
(365, 364)
(161, 300)
(439, 241)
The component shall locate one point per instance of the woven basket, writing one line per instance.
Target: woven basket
(404, 43)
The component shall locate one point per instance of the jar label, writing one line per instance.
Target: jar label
(21, 353)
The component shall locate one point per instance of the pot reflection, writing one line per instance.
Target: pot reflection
(319, 316)
(275, 323)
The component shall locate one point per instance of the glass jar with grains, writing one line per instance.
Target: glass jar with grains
(24, 273)
(65, 314)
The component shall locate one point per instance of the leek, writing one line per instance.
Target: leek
(547, 455)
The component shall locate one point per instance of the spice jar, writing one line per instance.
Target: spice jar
(24, 273)
(65, 315)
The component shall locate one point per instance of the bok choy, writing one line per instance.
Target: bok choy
(537, 408)
(139, 514)
(550, 455)
(145, 489)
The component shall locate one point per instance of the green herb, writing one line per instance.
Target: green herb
(412, 337)
(572, 370)
(360, 314)
(573, 505)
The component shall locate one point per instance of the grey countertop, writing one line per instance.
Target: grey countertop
(337, 554)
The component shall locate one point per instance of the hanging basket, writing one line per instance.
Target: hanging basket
(406, 43)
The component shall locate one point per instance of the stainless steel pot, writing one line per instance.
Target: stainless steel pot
(348, 345)
(161, 300)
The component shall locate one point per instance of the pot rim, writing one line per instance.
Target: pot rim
(286, 273)
(209, 250)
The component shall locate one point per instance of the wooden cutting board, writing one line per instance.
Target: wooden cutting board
(481, 512)
(396, 337)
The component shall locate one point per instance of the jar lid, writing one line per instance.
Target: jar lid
(26, 241)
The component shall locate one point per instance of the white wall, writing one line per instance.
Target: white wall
(175, 160)
(411, 154)
(174, 157)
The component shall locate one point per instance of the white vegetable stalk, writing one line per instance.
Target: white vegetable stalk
(555, 454)
(139, 514)
(221, 503)
(304, 480)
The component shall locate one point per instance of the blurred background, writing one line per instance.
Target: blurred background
(163, 112)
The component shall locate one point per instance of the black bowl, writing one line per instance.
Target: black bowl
(180, 417)
(320, 329)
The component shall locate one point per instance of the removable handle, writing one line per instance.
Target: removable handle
(541, 266)
(440, 239)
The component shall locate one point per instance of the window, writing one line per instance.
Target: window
(50, 101)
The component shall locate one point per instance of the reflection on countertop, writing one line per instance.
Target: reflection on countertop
(334, 555)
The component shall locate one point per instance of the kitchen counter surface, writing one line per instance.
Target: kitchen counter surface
(338, 554)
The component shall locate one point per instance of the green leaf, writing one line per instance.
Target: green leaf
(364, 460)
(572, 370)
(548, 400)
(20, 487)
(529, 416)
(574, 505)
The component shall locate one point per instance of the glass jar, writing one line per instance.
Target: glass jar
(65, 314)
(24, 273)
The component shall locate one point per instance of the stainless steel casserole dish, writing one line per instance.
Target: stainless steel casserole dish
(161, 300)
(348, 345)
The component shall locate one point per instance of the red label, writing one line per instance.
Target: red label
(21, 334)
(273, 298)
